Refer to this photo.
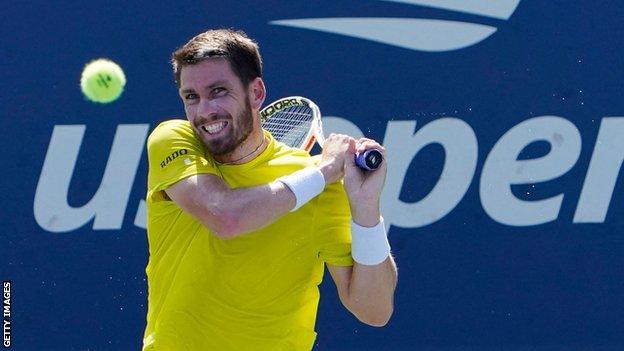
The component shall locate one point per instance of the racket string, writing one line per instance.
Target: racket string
(290, 125)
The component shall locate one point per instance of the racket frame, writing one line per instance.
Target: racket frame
(315, 133)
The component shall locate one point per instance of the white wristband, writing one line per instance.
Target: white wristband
(369, 246)
(306, 184)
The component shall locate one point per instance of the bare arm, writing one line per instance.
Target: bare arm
(231, 212)
(367, 291)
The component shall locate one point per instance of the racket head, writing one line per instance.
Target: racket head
(294, 121)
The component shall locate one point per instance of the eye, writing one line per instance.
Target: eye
(218, 91)
(190, 96)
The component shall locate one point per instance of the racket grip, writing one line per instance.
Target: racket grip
(369, 160)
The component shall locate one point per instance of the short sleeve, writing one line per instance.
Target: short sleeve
(174, 153)
(333, 226)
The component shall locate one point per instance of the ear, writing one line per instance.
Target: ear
(257, 93)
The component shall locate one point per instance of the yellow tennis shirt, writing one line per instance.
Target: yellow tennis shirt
(258, 291)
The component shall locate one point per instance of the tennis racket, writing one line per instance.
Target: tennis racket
(296, 122)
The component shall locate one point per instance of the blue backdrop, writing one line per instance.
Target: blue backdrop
(502, 120)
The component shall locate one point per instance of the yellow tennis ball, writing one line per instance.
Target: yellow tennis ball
(102, 81)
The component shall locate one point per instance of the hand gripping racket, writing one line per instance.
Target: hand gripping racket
(296, 122)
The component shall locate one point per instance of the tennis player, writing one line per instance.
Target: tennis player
(240, 226)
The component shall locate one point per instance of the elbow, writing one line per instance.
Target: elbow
(223, 224)
(378, 319)
(375, 316)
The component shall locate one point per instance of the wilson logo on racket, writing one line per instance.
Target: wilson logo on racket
(420, 34)
(279, 105)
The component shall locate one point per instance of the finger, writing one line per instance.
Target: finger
(361, 141)
(352, 145)
(369, 144)
(367, 141)
(350, 160)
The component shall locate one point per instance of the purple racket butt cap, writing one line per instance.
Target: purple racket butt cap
(369, 160)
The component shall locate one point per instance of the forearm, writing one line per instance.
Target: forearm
(229, 212)
(372, 285)
(371, 292)
(248, 209)
(373, 278)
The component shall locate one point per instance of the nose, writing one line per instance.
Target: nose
(207, 108)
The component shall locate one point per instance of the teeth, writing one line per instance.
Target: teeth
(214, 127)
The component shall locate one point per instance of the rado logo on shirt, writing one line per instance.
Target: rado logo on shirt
(172, 157)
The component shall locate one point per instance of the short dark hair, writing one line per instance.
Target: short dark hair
(232, 45)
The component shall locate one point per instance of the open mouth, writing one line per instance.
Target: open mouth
(214, 128)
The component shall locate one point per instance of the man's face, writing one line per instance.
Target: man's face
(216, 104)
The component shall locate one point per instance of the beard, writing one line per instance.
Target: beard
(241, 128)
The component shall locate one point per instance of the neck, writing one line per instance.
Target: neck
(248, 150)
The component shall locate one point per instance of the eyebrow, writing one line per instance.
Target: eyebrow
(208, 87)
